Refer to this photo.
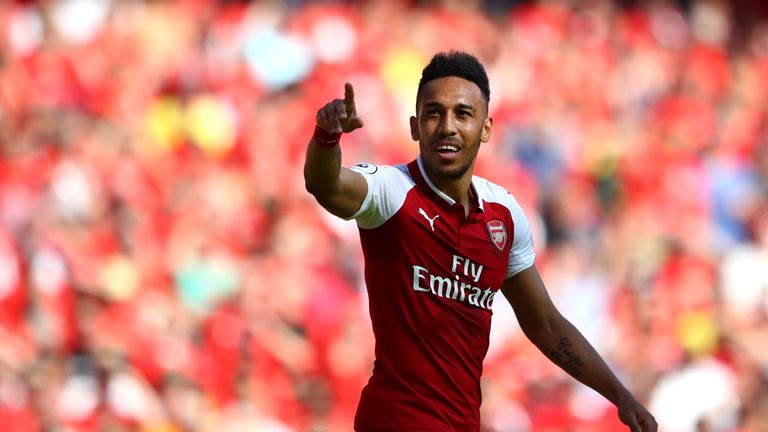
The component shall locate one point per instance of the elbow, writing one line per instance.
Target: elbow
(311, 185)
(541, 330)
(314, 183)
(320, 191)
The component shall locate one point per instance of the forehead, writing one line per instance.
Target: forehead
(450, 91)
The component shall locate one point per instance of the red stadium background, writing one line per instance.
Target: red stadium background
(163, 269)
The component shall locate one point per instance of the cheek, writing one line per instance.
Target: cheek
(427, 124)
(426, 131)
(474, 132)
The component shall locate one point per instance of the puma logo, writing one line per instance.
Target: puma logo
(430, 220)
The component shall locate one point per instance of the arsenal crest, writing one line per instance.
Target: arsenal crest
(498, 233)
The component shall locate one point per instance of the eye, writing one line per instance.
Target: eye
(463, 114)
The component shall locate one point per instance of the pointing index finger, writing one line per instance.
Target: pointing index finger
(349, 93)
(353, 121)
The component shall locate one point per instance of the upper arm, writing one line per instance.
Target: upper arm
(528, 296)
(368, 193)
(345, 199)
(521, 253)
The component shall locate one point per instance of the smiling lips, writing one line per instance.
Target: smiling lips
(447, 147)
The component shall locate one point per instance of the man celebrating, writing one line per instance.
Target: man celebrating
(439, 243)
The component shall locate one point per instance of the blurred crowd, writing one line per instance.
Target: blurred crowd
(163, 269)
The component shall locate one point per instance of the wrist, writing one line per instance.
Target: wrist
(623, 397)
(326, 139)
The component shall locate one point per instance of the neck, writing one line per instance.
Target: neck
(458, 189)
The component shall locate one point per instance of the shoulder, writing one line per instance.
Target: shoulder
(371, 169)
(388, 187)
(491, 192)
(384, 174)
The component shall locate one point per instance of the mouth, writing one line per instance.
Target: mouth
(447, 148)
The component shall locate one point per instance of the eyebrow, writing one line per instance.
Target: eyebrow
(438, 104)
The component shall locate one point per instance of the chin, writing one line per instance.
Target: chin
(451, 172)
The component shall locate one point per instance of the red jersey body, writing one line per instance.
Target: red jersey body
(432, 275)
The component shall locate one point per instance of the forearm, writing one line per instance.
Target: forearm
(339, 190)
(562, 343)
(321, 169)
(565, 346)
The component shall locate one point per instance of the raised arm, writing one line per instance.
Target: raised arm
(565, 346)
(336, 188)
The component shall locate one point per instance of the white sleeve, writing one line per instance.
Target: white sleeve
(387, 189)
(521, 254)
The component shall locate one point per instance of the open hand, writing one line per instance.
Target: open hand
(340, 115)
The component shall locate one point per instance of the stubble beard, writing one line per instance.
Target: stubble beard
(452, 173)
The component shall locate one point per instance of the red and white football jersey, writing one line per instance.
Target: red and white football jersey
(432, 275)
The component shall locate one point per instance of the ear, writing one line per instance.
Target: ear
(415, 128)
(485, 135)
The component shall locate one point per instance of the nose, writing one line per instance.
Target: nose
(447, 125)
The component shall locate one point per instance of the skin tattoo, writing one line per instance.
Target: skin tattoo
(566, 358)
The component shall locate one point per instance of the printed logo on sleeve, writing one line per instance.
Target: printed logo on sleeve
(367, 168)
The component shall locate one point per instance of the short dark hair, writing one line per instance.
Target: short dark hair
(458, 64)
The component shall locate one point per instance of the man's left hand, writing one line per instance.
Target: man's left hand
(634, 415)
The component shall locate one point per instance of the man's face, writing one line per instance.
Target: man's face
(451, 121)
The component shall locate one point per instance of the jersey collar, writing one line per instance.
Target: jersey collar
(472, 191)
